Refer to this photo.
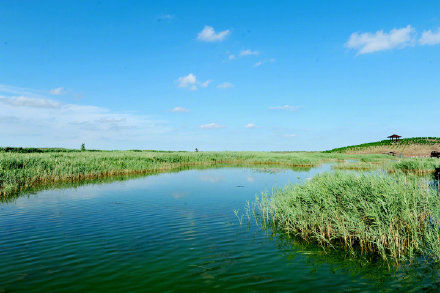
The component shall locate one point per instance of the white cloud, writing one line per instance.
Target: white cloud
(285, 108)
(31, 93)
(206, 83)
(57, 91)
(372, 42)
(259, 63)
(180, 109)
(248, 52)
(211, 126)
(250, 125)
(430, 38)
(190, 81)
(22, 101)
(225, 85)
(187, 81)
(208, 34)
(243, 53)
(37, 121)
(290, 135)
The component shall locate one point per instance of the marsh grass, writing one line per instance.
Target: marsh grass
(357, 166)
(21, 171)
(392, 217)
(419, 166)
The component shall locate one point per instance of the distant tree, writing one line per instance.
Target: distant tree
(83, 147)
(197, 150)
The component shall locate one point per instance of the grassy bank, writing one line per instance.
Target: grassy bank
(394, 217)
(21, 171)
(418, 166)
(408, 147)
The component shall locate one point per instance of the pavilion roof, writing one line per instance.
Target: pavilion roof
(394, 136)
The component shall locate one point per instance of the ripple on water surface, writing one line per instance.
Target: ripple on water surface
(171, 232)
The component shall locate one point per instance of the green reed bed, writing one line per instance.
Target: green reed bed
(365, 163)
(414, 165)
(394, 217)
(22, 171)
(418, 166)
(358, 166)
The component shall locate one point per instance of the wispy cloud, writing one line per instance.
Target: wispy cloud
(430, 38)
(250, 125)
(290, 135)
(180, 109)
(211, 126)
(248, 52)
(7, 89)
(206, 83)
(44, 120)
(208, 34)
(259, 63)
(57, 91)
(243, 53)
(165, 17)
(225, 85)
(285, 108)
(379, 41)
(22, 101)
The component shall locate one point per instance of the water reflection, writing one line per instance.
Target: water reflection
(175, 232)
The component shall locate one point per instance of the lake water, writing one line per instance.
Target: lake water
(173, 232)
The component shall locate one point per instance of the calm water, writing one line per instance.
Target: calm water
(172, 232)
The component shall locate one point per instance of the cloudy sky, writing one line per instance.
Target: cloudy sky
(217, 75)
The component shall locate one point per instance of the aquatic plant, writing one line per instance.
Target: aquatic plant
(393, 217)
(415, 165)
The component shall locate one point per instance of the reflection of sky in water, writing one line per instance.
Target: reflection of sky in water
(169, 232)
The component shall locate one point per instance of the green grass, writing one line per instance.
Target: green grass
(386, 142)
(386, 215)
(419, 166)
(414, 165)
(22, 171)
(394, 217)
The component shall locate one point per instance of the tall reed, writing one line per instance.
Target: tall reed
(393, 217)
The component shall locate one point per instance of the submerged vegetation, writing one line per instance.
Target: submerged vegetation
(394, 217)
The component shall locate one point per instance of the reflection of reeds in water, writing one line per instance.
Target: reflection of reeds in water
(415, 275)
(58, 184)
(23, 171)
(394, 217)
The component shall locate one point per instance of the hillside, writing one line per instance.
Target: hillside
(408, 147)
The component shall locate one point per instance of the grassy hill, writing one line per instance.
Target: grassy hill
(408, 147)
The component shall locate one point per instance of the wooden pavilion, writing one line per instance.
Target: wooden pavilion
(394, 137)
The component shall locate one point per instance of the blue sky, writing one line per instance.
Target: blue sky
(217, 75)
